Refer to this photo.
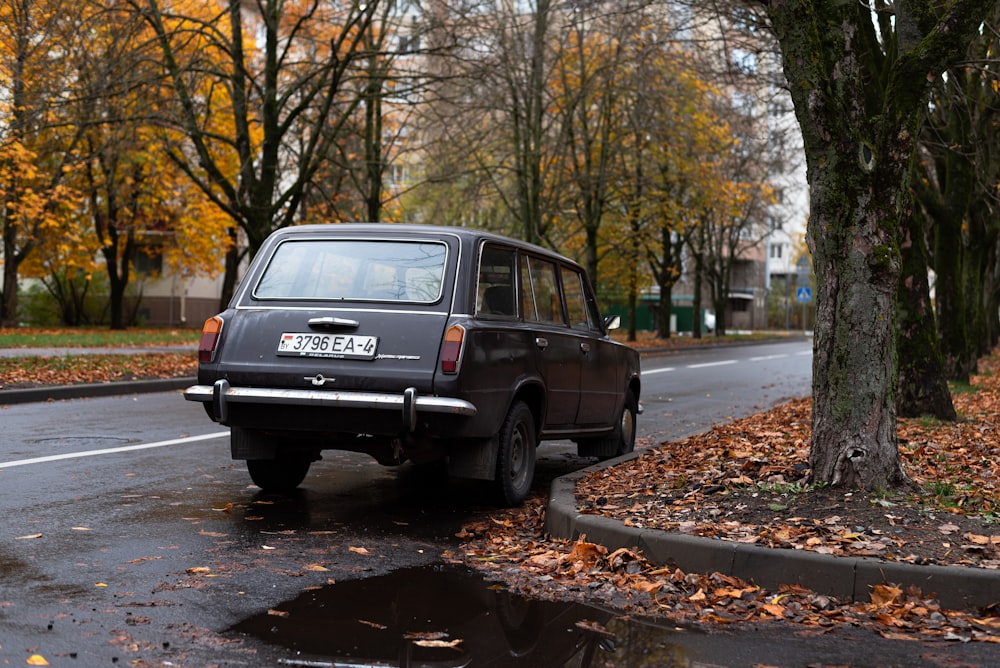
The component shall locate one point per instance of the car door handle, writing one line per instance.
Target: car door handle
(541, 342)
(585, 348)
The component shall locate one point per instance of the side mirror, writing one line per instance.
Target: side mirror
(612, 322)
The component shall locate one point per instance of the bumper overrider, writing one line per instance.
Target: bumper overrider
(222, 394)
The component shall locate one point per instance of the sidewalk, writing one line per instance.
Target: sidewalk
(956, 587)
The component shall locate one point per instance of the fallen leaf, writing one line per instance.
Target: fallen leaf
(194, 570)
(439, 644)
(278, 613)
(593, 627)
(374, 625)
(883, 595)
(774, 609)
(36, 660)
(647, 586)
(359, 550)
(424, 635)
(29, 536)
(316, 567)
(139, 560)
(587, 552)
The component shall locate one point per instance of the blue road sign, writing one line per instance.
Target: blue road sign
(804, 295)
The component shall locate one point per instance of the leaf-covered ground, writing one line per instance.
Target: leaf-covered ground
(22, 372)
(123, 361)
(743, 482)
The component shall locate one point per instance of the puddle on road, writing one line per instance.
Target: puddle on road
(449, 616)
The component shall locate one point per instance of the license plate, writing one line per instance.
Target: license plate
(339, 346)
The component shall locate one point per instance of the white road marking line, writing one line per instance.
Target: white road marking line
(767, 357)
(647, 372)
(805, 352)
(110, 451)
(708, 364)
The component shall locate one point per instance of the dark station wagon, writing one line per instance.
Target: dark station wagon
(417, 343)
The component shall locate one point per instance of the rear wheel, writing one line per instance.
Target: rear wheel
(278, 475)
(516, 455)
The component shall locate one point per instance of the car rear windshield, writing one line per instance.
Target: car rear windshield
(354, 270)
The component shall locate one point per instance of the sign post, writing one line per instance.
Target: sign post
(803, 292)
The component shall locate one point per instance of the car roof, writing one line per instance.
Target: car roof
(466, 234)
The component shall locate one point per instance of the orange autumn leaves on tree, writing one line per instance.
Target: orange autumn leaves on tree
(36, 143)
(648, 153)
(88, 166)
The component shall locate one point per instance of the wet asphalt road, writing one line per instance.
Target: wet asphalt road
(129, 537)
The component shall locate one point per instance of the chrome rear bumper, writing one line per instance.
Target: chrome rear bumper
(221, 394)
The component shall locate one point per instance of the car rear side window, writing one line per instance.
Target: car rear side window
(354, 270)
(495, 286)
(541, 287)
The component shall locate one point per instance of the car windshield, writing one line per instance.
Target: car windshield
(354, 270)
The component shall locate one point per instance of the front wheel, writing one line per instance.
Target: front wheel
(621, 440)
(278, 475)
(625, 431)
(516, 455)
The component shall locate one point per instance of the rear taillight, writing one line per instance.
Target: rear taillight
(451, 351)
(209, 339)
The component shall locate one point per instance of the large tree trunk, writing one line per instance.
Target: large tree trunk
(983, 235)
(232, 270)
(950, 302)
(8, 299)
(859, 107)
(852, 233)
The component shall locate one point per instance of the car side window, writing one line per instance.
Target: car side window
(576, 300)
(543, 285)
(495, 285)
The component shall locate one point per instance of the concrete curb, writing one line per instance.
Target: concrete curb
(54, 393)
(955, 587)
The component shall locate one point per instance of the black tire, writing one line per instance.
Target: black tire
(621, 440)
(516, 455)
(521, 621)
(278, 475)
(624, 434)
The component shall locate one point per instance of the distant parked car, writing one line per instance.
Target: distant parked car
(416, 343)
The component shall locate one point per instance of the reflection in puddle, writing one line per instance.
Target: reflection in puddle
(449, 616)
